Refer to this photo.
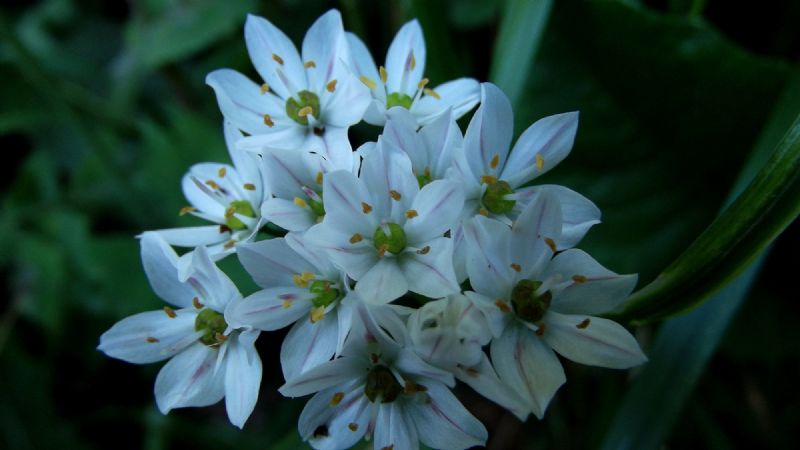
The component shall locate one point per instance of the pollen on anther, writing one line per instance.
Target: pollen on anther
(579, 278)
(196, 303)
(432, 93)
(516, 267)
(277, 59)
(411, 213)
(316, 314)
(228, 245)
(352, 426)
(286, 304)
(473, 372)
(221, 172)
(412, 62)
(483, 212)
(212, 184)
(366, 207)
(318, 178)
(583, 324)
(550, 243)
(488, 179)
(230, 212)
(368, 82)
(356, 238)
(539, 162)
(186, 210)
(152, 340)
(337, 398)
(395, 195)
(502, 306)
(540, 330)
(309, 64)
(423, 83)
(268, 121)
(304, 111)
(300, 202)
(382, 250)
(424, 250)
(264, 88)
(220, 337)
(384, 75)
(331, 86)
(495, 161)
(170, 312)
(374, 358)
(249, 186)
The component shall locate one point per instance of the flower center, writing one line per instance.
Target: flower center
(299, 108)
(324, 293)
(390, 237)
(382, 386)
(398, 99)
(530, 305)
(213, 325)
(242, 207)
(494, 199)
(425, 177)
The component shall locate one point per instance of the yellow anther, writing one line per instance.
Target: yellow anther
(300, 202)
(212, 184)
(412, 63)
(170, 312)
(488, 179)
(583, 324)
(473, 372)
(516, 267)
(424, 250)
(196, 303)
(495, 161)
(366, 207)
(502, 306)
(230, 212)
(395, 195)
(268, 121)
(411, 213)
(540, 330)
(579, 278)
(228, 245)
(309, 64)
(264, 88)
(286, 304)
(539, 162)
(186, 210)
(331, 86)
(337, 398)
(412, 388)
(483, 212)
(550, 243)
(221, 172)
(422, 83)
(356, 238)
(432, 93)
(384, 75)
(277, 59)
(220, 337)
(151, 340)
(352, 426)
(302, 279)
(250, 186)
(369, 83)
(304, 111)
(317, 314)
(318, 178)
(382, 250)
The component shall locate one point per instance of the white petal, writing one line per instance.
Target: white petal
(242, 377)
(593, 289)
(385, 169)
(442, 139)
(438, 206)
(578, 213)
(540, 220)
(488, 263)
(489, 132)
(401, 130)
(431, 274)
(344, 196)
(247, 164)
(483, 379)
(443, 422)
(383, 283)
(272, 262)
(345, 423)
(362, 61)
(194, 236)
(528, 366)
(551, 138)
(189, 379)
(242, 102)
(269, 309)
(161, 266)
(286, 172)
(265, 40)
(354, 259)
(288, 215)
(408, 362)
(308, 345)
(334, 148)
(215, 289)
(348, 102)
(149, 336)
(394, 429)
(496, 310)
(592, 340)
(461, 95)
(290, 137)
(314, 255)
(331, 373)
(325, 45)
(405, 60)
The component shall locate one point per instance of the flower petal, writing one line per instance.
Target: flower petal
(325, 45)
(242, 377)
(394, 429)
(323, 376)
(488, 261)
(461, 95)
(272, 262)
(149, 336)
(308, 345)
(442, 139)
(488, 135)
(344, 212)
(189, 379)
(483, 379)
(362, 62)
(194, 236)
(344, 422)
(541, 147)
(438, 207)
(592, 340)
(247, 164)
(401, 130)
(408, 362)
(443, 422)
(269, 309)
(430, 274)
(539, 221)
(288, 215)
(405, 60)
(346, 105)
(242, 103)
(497, 311)
(215, 289)
(578, 213)
(383, 283)
(386, 169)
(161, 266)
(274, 57)
(334, 148)
(354, 259)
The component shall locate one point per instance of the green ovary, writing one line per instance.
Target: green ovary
(212, 324)
(393, 241)
(494, 198)
(324, 293)
(528, 305)
(382, 386)
(242, 207)
(295, 105)
(398, 99)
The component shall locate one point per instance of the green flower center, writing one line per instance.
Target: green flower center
(398, 99)
(494, 198)
(299, 108)
(390, 237)
(317, 207)
(528, 305)
(242, 207)
(382, 386)
(424, 178)
(212, 324)
(324, 293)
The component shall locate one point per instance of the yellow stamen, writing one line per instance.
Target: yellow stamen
(413, 61)
(229, 244)
(220, 337)
(337, 398)
(382, 250)
(483, 212)
(540, 330)
(424, 250)
(230, 212)
(411, 213)
(212, 184)
(309, 64)
(268, 121)
(304, 111)
(264, 88)
(550, 243)
(151, 340)
(422, 83)
(356, 238)
(300, 202)
(186, 210)
(286, 304)
(502, 306)
(302, 279)
(539, 162)
(352, 426)
(196, 303)
(366, 207)
(395, 195)
(277, 59)
(432, 93)
(583, 324)
(331, 86)
(369, 83)
(516, 267)
(250, 186)
(221, 172)
(384, 75)
(318, 178)
(579, 278)
(495, 161)
(488, 179)
(170, 312)
(317, 314)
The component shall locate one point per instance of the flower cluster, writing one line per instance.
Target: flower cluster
(425, 257)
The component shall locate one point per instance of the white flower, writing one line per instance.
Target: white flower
(536, 304)
(401, 83)
(306, 102)
(386, 232)
(229, 196)
(209, 359)
(380, 388)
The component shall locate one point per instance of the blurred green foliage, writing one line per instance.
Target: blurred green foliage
(104, 108)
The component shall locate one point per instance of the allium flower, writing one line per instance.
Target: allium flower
(229, 196)
(386, 232)
(209, 359)
(401, 82)
(536, 304)
(306, 102)
(380, 388)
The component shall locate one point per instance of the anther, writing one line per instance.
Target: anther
(220, 337)
(151, 339)
(300, 202)
(550, 243)
(277, 59)
(483, 212)
(411, 213)
(424, 250)
(583, 324)
(331, 86)
(304, 111)
(264, 88)
(196, 303)
(473, 372)
(432, 93)
(395, 195)
(337, 398)
(356, 238)
(317, 314)
(367, 82)
(516, 267)
(579, 278)
(412, 388)
(170, 312)
(488, 179)
(382, 250)
(286, 304)
(422, 83)
(384, 75)
(412, 62)
(318, 178)
(309, 64)
(268, 121)
(495, 161)
(186, 210)
(212, 184)
(249, 186)
(221, 172)
(366, 207)
(539, 162)
(230, 212)
(502, 306)
(540, 330)
(228, 245)
(352, 426)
